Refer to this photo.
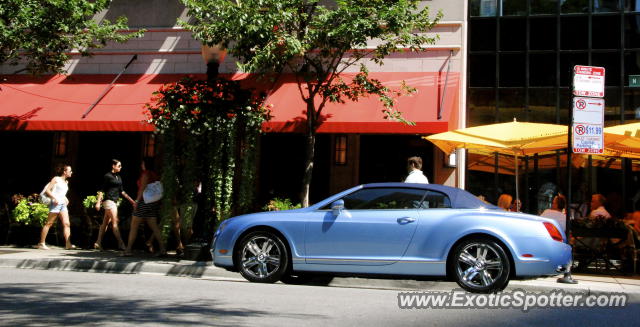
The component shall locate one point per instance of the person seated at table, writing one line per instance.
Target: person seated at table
(516, 205)
(556, 212)
(504, 201)
(633, 220)
(597, 207)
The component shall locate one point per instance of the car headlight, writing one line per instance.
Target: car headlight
(221, 227)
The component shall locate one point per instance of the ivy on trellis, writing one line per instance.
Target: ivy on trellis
(209, 131)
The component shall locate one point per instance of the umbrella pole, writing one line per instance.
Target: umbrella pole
(517, 192)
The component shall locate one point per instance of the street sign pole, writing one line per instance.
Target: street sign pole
(569, 153)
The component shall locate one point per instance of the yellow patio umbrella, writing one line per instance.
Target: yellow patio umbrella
(485, 162)
(513, 138)
(622, 141)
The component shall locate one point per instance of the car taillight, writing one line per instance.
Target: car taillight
(553, 231)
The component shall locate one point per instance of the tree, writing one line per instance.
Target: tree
(40, 33)
(315, 40)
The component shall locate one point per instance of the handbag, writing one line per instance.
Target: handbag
(44, 198)
(153, 192)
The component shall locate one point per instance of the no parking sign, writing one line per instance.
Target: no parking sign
(588, 122)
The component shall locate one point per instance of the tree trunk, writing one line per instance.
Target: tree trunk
(309, 153)
(308, 167)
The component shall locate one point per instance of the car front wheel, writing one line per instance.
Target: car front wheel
(480, 265)
(262, 257)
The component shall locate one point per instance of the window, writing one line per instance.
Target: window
(512, 69)
(574, 33)
(574, 6)
(606, 38)
(514, 7)
(384, 198)
(542, 105)
(542, 69)
(541, 7)
(482, 35)
(512, 34)
(482, 70)
(149, 145)
(482, 106)
(61, 144)
(340, 153)
(484, 8)
(436, 200)
(542, 33)
(511, 104)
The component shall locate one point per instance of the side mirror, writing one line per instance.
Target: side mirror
(337, 207)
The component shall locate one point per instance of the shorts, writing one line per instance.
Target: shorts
(109, 204)
(61, 207)
(146, 210)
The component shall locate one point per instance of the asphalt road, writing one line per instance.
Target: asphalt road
(59, 298)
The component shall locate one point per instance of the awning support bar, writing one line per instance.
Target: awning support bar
(446, 81)
(108, 88)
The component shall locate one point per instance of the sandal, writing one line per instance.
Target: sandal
(71, 247)
(97, 246)
(42, 246)
(149, 247)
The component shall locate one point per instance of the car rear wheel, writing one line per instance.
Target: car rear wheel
(262, 257)
(480, 265)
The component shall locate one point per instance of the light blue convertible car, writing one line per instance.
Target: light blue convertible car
(394, 229)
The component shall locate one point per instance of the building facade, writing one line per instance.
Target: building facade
(73, 121)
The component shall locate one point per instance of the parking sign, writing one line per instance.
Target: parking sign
(588, 122)
(588, 81)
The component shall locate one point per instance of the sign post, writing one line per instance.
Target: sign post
(585, 130)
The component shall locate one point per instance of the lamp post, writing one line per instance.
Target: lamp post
(213, 56)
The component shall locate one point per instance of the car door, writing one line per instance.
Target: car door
(374, 228)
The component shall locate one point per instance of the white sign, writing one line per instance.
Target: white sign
(588, 125)
(588, 81)
(588, 110)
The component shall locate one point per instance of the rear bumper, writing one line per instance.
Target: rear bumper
(557, 259)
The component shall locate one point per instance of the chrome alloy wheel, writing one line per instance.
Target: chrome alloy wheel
(260, 257)
(479, 265)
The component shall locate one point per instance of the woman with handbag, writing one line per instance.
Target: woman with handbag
(56, 190)
(147, 206)
(111, 192)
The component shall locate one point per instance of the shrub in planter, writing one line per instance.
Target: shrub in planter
(278, 204)
(28, 211)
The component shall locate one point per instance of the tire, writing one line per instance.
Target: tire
(262, 257)
(480, 265)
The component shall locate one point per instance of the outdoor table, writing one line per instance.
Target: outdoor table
(593, 244)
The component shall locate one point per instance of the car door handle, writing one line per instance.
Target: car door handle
(406, 220)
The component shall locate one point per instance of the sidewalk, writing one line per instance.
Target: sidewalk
(143, 263)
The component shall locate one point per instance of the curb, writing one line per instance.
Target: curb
(200, 269)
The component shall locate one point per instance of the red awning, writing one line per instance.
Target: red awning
(57, 103)
(365, 116)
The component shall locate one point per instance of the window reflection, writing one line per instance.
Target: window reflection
(574, 6)
(606, 6)
(514, 7)
(631, 5)
(481, 107)
(544, 7)
(511, 105)
(542, 105)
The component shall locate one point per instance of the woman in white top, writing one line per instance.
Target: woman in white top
(56, 190)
